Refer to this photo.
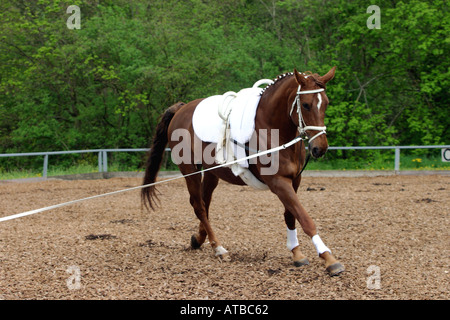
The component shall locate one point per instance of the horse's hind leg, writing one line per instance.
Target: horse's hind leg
(194, 185)
(209, 183)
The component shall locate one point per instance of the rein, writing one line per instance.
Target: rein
(304, 165)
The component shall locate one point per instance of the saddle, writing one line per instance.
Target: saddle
(229, 121)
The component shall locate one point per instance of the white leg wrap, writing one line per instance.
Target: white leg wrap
(220, 251)
(320, 246)
(292, 240)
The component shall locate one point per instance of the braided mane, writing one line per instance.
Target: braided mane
(283, 76)
(276, 80)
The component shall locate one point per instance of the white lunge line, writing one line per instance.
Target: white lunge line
(31, 212)
(27, 213)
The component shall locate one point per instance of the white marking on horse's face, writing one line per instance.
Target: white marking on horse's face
(319, 104)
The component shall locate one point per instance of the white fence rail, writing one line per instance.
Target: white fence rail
(103, 154)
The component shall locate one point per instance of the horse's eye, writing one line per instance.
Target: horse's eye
(306, 106)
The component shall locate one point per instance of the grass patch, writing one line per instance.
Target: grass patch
(380, 162)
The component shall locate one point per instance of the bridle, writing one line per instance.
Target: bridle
(302, 127)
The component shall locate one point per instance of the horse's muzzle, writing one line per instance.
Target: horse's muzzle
(318, 152)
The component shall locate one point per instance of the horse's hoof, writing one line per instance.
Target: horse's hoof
(224, 257)
(335, 269)
(194, 243)
(301, 262)
(222, 254)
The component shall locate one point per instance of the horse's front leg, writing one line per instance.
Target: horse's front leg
(292, 241)
(282, 187)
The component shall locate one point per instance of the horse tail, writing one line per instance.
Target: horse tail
(154, 160)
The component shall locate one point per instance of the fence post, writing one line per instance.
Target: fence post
(105, 161)
(44, 172)
(397, 160)
(100, 164)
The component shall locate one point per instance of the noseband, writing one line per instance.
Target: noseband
(302, 127)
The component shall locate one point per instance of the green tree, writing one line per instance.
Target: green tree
(106, 85)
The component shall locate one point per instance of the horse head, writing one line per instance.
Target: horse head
(308, 109)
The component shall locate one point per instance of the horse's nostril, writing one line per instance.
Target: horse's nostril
(315, 152)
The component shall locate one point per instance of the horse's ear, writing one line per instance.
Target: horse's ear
(329, 75)
(301, 80)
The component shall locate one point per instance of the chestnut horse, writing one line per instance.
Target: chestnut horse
(295, 102)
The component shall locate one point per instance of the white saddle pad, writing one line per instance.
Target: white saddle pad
(240, 111)
(208, 124)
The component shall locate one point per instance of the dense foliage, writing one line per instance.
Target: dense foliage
(105, 85)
